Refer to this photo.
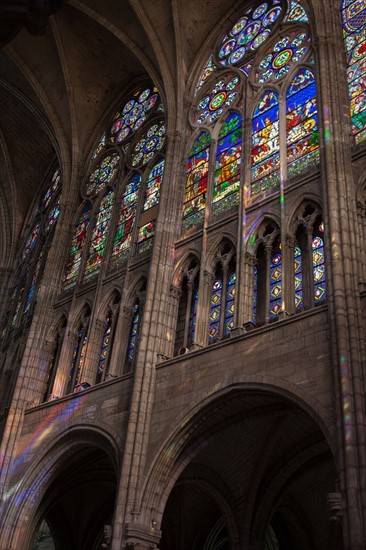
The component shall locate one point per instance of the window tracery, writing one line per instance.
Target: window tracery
(107, 340)
(222, 303)
(187, 309)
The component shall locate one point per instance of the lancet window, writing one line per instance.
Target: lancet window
(32, 257)
(222, 303)
(121, 190)
(135, 326)
(79, 350)
(187, 310)
(55, 356)
(107, 340)
(284, 123)
(353, 16)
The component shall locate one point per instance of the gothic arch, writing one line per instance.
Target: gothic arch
(178, 449)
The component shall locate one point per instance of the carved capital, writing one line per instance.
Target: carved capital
(290, 241)
(175, 292)
(208, 278)
(250, 259)
(335, 507)
(100, 325)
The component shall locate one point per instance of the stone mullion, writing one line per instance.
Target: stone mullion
(200, 337)
(243, 283)
(285, 306)
(175, 294)
(249, 263)
(5, 277)
(120, 342)
(188, 315)
(345, 318)
(288, 262)
(92, 354)
(204, 297)
(127, 507)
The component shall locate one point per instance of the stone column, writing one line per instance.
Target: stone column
(175, 295)
(288, 267)
(203, 310)
(91, 361)
(344, 306)
(361, 218)
(246, 316)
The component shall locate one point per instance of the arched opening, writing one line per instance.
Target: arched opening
(259, 474)
(78, 503)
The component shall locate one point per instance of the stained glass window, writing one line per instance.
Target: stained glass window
(302, 123)
(353, 14)
(249, 32)
(32, 239)
(298, 278)
(320, 293)
(35, 278)
(278, 59)
(133, 115)
(77, 245)
(152, 194)
(133, 340)
(193, 317)
(145, 237)
(99, 148)
(103, 357)
(52, 191)
(227, 168)
(99, 236)
(230, 303)
(215, 311)
(53, 215)
(217, 99)
(123, 237)
(275, 285)
(265, 155)
(255, 294)
(150, 144)
(105, 173)
(77, 361)
(196, 184)
(296, 13)
(207, 70)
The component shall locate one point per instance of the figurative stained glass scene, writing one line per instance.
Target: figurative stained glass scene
(153, 185)
(275, 285)
(105, 173)
(126, 220)
(99, 236)
(145, 237)
(298, 278)
(196, 183)
(52, 216)
(320, 293)
(218, 99)
(227, 167)
(35, 278)
(52, 191)
(265, 155)
(133, 115)
(151, 143)
(32, 239)
(353, 15)
(249, 33)
(77, 245)
(302, 123)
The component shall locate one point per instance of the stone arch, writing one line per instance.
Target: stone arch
(257, 234)
(184, 262)
(178, 449)
(44, 471)
(220, 241)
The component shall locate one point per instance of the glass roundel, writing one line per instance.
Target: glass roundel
(249, 32)
(152, 142)
(217, 99)
(133, 114)
(277, 60)
(104, 174)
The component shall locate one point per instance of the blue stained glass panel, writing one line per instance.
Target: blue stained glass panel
(320, 292)
(132, 344)
(104, 351)
(298, 278)
(255, 293)
(152, 195)
(275, 286)
(193, 319)
(215, 311)
(230, 303)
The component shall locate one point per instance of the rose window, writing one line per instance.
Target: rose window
(152, 142)
(218, 99)
(104, 174)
